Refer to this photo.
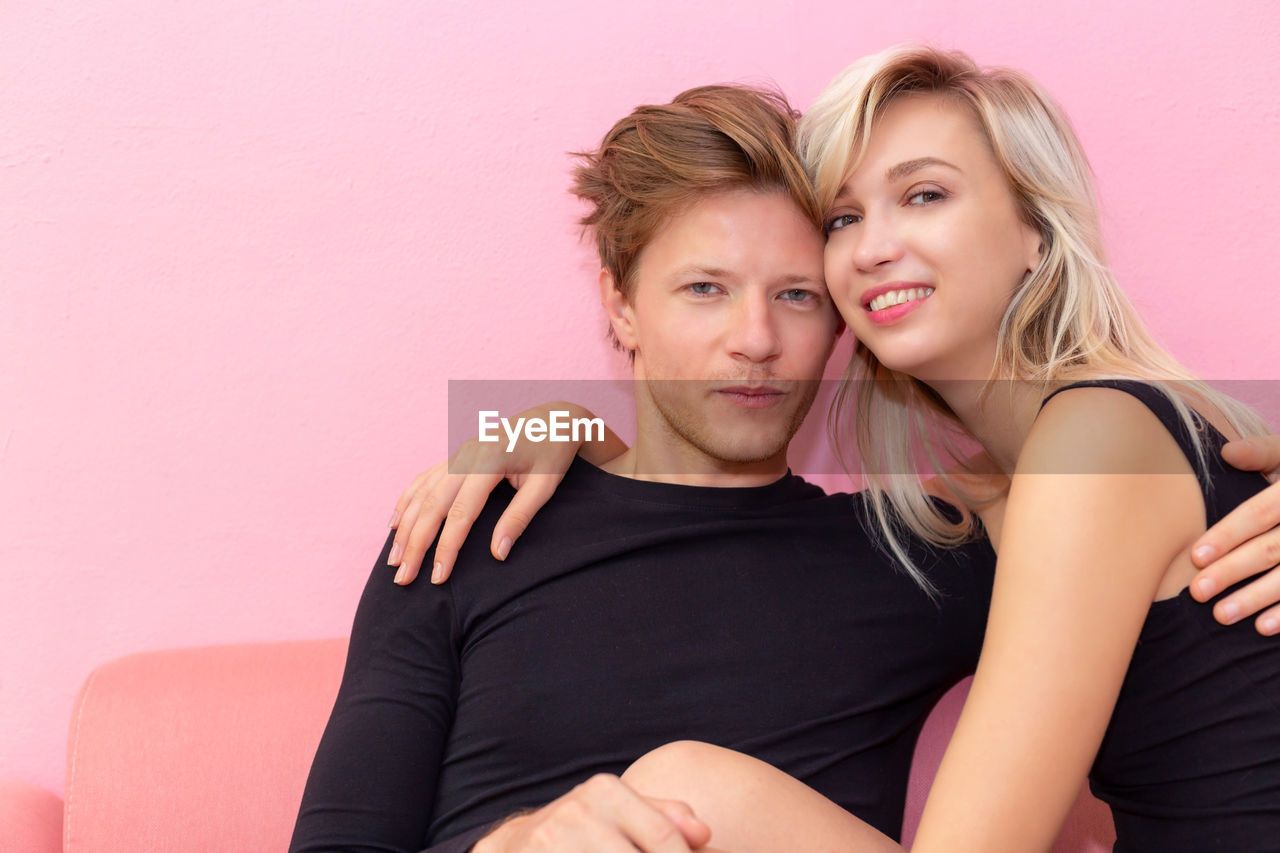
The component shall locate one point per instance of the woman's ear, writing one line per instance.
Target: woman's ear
(1033, 244)
(621, 315)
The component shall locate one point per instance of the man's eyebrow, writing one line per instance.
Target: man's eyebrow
(703, 270)
(900, 171)
(800, 278)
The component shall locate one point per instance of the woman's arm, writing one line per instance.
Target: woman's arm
(1245, 544)
(454, 492)
(1084, 551)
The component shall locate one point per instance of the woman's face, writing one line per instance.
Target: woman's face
(926, 244)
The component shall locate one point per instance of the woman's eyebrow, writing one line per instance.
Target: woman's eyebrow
(900, 171)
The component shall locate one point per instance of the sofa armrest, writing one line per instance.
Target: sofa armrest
(204, 748)
(30, 818)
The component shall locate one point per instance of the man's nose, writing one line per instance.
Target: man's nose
(754, 336)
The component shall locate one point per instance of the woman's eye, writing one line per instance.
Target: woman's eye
(841, 221)
(926, 197)
(702, 288)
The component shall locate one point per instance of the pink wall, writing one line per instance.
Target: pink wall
(244, 244)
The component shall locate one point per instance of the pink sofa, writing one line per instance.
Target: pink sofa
(208, 749)
(185, 750)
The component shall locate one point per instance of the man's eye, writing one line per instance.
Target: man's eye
(841, 221)
(797, 294)
(703, 288)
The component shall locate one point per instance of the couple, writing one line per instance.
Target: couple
(691, 589)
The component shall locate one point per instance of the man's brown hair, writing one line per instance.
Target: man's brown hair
(660, 159)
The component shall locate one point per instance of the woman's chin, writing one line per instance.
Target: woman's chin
(931, 363)
(910, 363)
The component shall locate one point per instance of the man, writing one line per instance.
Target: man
(691, 588)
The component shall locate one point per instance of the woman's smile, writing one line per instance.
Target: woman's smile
(888, 303)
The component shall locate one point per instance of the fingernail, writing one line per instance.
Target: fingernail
(1230, 612)
(1269, 625)
(397, 551)
(402, 575)
(395, 519)
(1206, 587)
(1205, 554)
(437, 573)
(504, 547)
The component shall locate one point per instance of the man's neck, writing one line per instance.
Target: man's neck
(662, 455)
(640, 463)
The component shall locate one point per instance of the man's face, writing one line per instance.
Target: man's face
(731, 326)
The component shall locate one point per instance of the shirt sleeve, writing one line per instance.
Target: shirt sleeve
(372, 785)
(460, 843)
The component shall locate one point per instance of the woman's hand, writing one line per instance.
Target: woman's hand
(1245, 543)
(455, 491)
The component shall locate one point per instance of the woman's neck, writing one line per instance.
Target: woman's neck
(998, 415)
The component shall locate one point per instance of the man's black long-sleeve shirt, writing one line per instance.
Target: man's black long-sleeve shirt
(633, 614)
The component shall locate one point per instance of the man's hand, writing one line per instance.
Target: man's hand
(1245, 543)
(601, 815)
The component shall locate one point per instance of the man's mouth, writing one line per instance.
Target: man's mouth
(752, 396)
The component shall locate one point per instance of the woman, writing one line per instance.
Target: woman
(964, 248)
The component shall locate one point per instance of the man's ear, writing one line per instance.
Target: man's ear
(621, 316)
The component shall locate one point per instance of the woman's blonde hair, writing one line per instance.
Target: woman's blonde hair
(1067, 320)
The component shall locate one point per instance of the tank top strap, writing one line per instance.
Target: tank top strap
(1158, 402)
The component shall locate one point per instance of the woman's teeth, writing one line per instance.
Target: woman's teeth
(897, 297)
